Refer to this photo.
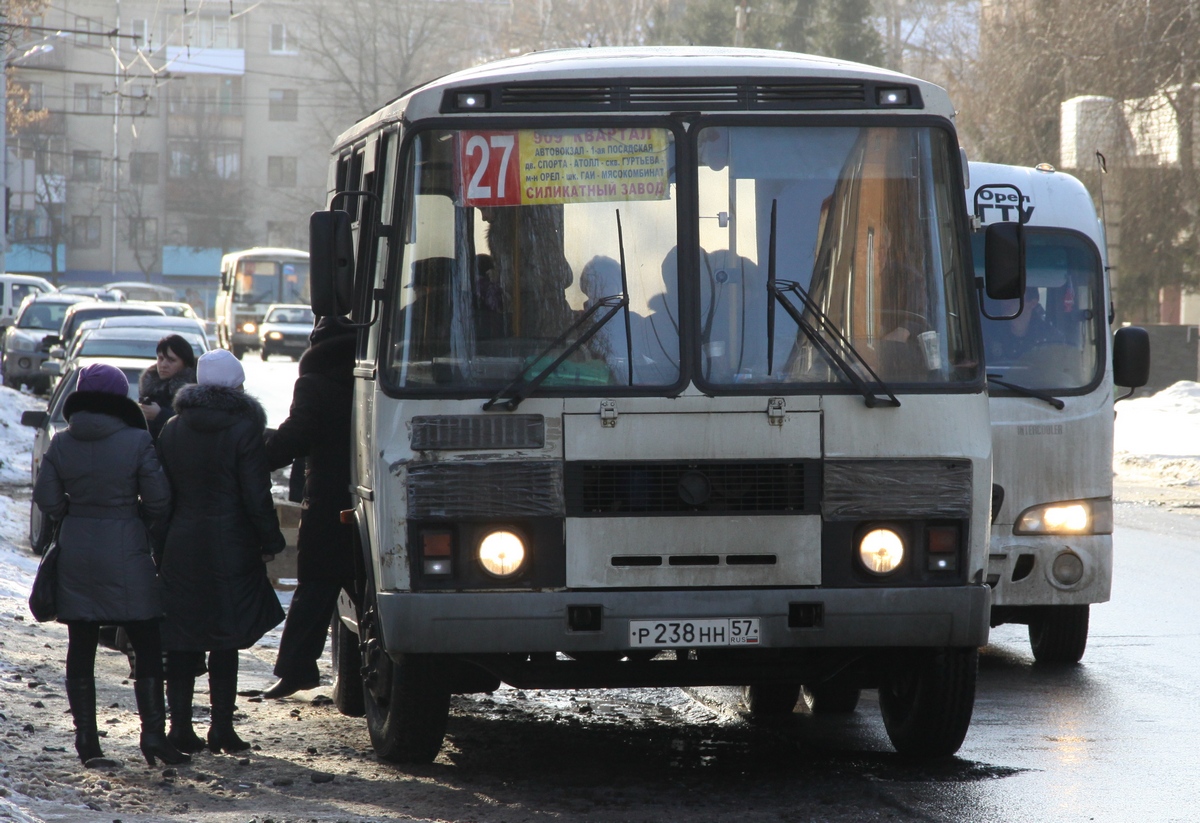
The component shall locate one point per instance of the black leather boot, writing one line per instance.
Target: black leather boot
(221, 736)
(153, 711)
(179, 703)
(81, 696)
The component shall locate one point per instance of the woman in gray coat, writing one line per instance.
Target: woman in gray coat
(101, 477)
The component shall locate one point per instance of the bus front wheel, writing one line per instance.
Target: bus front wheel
(239, 352)
(407, 699)
(1058, 634)
(926, 699)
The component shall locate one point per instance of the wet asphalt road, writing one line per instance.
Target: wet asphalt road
(1112, 739)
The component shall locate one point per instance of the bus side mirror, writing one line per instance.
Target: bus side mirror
(331, 262)
(1131, 357)
(1004, 261)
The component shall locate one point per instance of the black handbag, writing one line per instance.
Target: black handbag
(43, 597)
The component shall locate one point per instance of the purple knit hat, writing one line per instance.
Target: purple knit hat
(102, 377)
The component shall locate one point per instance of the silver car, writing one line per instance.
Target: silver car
(40, 315)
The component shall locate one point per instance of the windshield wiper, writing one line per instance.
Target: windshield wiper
(1028, 392)
(777, 291)
(614, 303)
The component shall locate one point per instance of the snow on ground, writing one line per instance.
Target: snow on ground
(1157, 438)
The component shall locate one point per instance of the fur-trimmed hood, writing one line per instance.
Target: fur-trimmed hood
(332, 357)
(150, 384)
(113, 405)
(217, 407)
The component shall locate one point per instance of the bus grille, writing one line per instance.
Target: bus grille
(701, 488)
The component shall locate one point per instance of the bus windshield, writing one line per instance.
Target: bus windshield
(865, 227)
(512, 237)
(271, 281)
(1055, 342)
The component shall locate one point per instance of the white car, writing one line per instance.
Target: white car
(285, 329)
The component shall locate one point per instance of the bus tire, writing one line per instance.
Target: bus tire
(407, 699)
(830, 698)
(39, 529)
(926, 698)
(771, 699)
(239, 352)
(1058, 635)
(347, 669)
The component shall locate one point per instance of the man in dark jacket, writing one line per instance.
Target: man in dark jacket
(318, 428)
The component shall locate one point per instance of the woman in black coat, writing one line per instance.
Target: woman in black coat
(100, 477)
(317, 428)
(174, 369)
(221, 532)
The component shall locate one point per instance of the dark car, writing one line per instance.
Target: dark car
(80, 312)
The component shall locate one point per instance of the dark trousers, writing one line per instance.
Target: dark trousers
(187, 665)
(84, 636)
(304, 631)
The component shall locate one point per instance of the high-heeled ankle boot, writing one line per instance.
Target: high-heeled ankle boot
(153, 711)
(179, 704)
(221, 736)
(81, 696)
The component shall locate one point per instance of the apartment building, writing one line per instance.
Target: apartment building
(160, 137)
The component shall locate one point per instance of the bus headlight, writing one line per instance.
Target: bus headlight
(249, 328)
(881, 551)
(1067, 517)
(502, 553)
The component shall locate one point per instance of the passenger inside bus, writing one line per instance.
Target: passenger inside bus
(1012, 340)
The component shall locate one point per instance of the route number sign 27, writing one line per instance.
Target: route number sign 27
(527, 167)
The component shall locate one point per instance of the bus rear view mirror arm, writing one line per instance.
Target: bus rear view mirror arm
(1004, 267)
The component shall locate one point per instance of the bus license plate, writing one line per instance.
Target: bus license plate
(668, 633)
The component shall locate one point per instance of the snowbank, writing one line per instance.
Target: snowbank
(1157, 438)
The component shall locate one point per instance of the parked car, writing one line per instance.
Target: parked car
(96, 293)
(128, 341)
(14, 288)
(41, 314)
(138, 290)
(285, 329)
(166, 325)
(51, 421)
(174, 308)
(80, 312)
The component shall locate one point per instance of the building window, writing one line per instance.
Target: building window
(217, 158)
(85, 232)
(281, 234)
(143, 167)
(197, 94)
(281, 172)
(88, 98)
(283, 40)
(143, 232)
(95, 32)
(141, 34)
(143, 102)
(85, 166)
(283, 104)
(207, 31)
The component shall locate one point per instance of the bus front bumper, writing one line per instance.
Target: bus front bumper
(528, 622)
(1021, 569)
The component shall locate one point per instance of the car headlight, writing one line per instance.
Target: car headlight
(502, 553)
(881, 551)
(1067, 517)
(275, 335)
(249, 328)
(19, 342)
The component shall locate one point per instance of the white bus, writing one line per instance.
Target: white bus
(252, 280)
(1051, 375)
(670, 372)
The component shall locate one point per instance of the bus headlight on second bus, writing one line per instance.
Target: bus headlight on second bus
(249, 328)
(1067, 517)
(881, 551)
(502, 553)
